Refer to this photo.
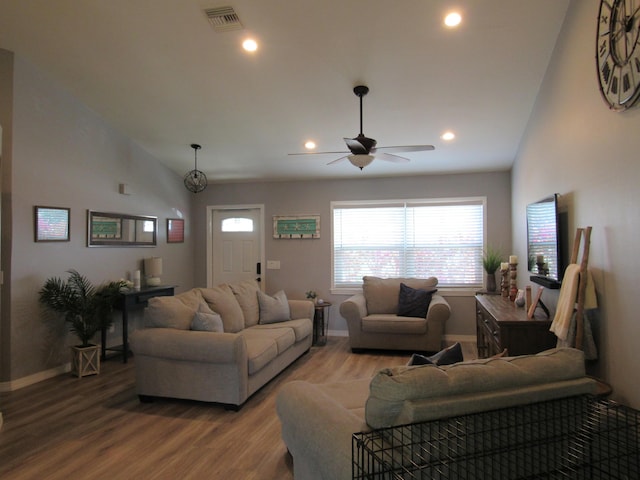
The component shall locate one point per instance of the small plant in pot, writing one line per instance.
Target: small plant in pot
(86, 308)
(491, 260)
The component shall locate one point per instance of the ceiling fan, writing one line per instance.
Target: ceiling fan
(362, 150)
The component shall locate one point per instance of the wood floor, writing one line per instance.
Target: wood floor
(95, 427)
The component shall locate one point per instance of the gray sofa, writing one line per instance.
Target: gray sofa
(218, 344)
(374, 323)
(318, 420)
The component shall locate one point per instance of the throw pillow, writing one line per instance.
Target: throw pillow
(414, 302)
(273, 309)
(206, 320)
(448, 356)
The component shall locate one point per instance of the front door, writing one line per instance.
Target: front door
(236, 236)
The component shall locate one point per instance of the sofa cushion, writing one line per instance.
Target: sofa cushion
(260, 351)
(381, 294)
(404, 394)
(222, 300)
(172, 312)
(301, 327)
(393, 324)
(284, 337)
(414, 302)
(273, 309)
(247, 296)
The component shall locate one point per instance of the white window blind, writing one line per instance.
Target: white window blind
(417, 238)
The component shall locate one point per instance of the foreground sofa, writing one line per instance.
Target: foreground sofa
(218, 344)
(377, 318)
(318, 420)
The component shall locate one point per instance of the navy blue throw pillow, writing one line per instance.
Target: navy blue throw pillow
(413, 302)
(448, 356)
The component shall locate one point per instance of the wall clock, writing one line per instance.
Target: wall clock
(618, 53)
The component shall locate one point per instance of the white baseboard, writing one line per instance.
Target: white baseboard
(12, 385)
(337, 333)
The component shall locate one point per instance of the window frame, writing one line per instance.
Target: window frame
(337, 204)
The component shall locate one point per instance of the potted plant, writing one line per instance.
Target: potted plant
(87, 309)
(311, 295)
(491, 260)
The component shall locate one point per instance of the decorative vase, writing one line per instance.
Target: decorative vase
(85, 360)
(491, 282)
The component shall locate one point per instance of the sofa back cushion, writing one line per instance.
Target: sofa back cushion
(247, 296)
(381, 294)
(408, 394)
(172, 312)
(222, 300)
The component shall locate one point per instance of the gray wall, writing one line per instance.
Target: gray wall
(64, 155)
(306, 264)
(575, 146)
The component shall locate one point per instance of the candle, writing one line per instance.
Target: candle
(539, 258)
(136, 279)
(513, 259)
(504, 266)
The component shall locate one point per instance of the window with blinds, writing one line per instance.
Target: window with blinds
(410, 238)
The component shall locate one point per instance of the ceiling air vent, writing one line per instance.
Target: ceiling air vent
(223, 19)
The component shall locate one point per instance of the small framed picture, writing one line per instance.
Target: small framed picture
(175, 230)
(51, 224)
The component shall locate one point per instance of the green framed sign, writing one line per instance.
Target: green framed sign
(296, 226)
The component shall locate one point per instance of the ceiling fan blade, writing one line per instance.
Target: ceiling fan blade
(406, 148)
(356, 147)
(337, 160)
(390, 157)
(318, 153)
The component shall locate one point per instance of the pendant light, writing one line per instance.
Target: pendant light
(195, 180)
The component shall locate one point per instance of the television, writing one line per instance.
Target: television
(546, 242)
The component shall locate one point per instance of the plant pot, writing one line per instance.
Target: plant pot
(85, 360)
(491, 282)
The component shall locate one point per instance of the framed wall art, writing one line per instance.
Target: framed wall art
(51, 224)
(175, 230)
(296, 226)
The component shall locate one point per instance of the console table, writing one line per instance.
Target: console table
(132, 300)
(500, 324)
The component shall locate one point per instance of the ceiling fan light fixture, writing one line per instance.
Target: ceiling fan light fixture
(360, 160)
(195, 180)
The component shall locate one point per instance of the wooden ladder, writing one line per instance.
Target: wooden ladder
(583, 235)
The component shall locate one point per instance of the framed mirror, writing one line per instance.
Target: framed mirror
(120, 230)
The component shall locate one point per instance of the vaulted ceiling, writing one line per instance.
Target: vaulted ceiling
(160, 73)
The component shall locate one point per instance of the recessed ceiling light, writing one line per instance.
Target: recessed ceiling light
(452, 19)
(250, 45)
(448, 136)
(310, 145)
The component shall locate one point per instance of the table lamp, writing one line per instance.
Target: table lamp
(153, 270)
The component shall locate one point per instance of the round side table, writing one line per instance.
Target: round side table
(321, 323)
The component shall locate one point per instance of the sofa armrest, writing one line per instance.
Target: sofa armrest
(439, 309)
(317, 431)
(301, 309)
(437, 315)
(189, 345)
(353, 309)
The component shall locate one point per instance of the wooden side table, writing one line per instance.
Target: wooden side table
(132, 300)
(321, 323)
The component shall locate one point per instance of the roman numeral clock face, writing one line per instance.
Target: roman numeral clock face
(618, 52)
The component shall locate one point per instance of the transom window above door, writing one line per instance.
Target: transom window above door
(237, 224)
